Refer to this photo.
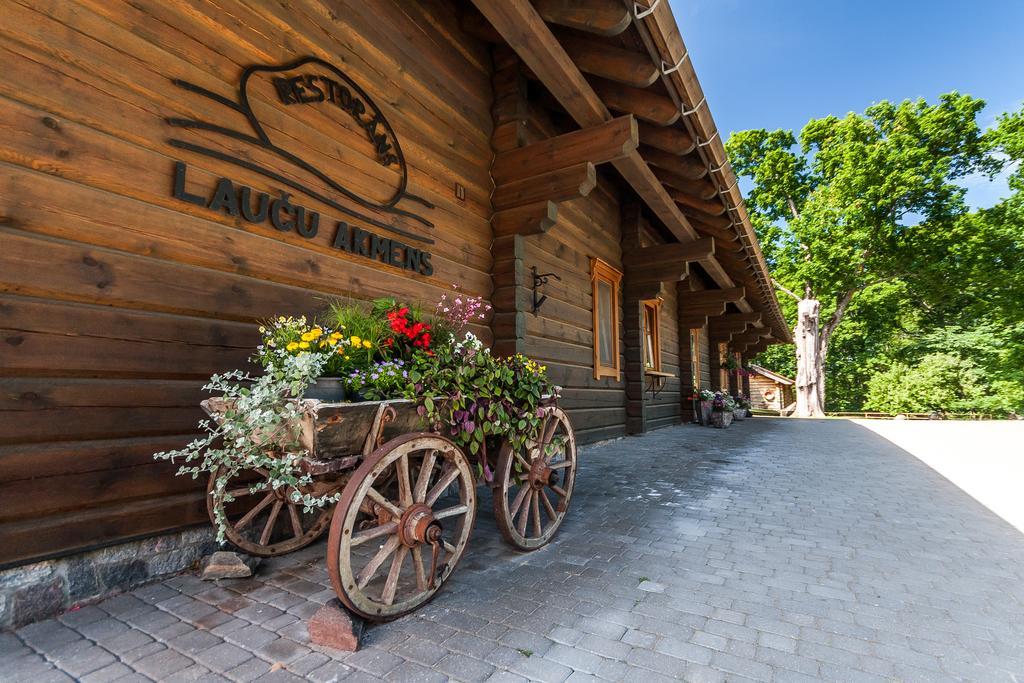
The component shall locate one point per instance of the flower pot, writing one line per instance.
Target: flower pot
(721, 418)
(327, 389)
(739, 413)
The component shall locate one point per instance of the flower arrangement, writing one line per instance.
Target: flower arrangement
(258, 430)
(479, 399)
(722, 402)
(706, 395)
(385, 351)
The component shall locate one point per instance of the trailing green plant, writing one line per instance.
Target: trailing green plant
(478, 399)
(259, 428)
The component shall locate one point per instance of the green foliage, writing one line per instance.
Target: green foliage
(939, 381)
(869, 206)
(475, 397)
(258, 428)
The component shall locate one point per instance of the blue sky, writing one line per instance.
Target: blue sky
(778, 63)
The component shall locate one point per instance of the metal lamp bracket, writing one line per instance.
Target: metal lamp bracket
(539, 280)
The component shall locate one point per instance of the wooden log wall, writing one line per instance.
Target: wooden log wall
(117, 300)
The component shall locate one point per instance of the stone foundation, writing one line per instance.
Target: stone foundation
(42, 589)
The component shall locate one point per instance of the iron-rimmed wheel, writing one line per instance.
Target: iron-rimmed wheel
(392, 545)
(534, 487)
(262, 521)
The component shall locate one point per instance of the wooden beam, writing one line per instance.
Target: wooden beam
(714, 296)
(644, 104)
(720, 222)
(529, 219)
(754, 317)
(690, 202)
(600, 17)
(597, 144)
(525, 32)
(669, 253)
(657, 273)
(601, 58)
(681, 165)
(723, 234)
(557, 186)
(702, 189)
(667, 139)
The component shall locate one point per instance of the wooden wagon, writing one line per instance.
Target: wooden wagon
(408, 499)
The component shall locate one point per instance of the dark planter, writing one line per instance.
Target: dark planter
(739, 413)
(702, 412)
(721, 418)
(327, 389)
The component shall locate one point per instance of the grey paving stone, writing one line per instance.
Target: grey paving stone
(777, 557)
(376, 662)
(112, 672)
(463, 668)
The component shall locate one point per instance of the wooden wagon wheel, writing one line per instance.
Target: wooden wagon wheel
(266, 522)
(533, 489)
(416, 530)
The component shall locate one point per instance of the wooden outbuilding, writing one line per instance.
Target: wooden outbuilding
(175, 171)
(770, 390)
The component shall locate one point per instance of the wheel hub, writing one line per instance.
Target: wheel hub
(540, 474)
(418, 526)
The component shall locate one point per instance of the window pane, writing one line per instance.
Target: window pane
(649, 325)
(606, 344)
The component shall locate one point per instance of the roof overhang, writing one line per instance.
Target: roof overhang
(593, 29)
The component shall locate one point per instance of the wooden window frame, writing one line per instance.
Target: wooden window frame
(723, 367)
(695, 366)
(601, 271)
(653, 305)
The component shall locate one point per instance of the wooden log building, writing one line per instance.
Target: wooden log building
(173, 172)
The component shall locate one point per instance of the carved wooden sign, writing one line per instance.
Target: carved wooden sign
(346, 114)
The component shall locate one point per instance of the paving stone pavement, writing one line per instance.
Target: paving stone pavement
(776, 550)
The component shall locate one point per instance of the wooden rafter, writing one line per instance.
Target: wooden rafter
(644, 104)
(559, 185)
(667, 139)
(597, 144)
(524, 30)
(600, 17)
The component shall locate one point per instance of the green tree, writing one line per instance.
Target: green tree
(939, 382)
(856, 203)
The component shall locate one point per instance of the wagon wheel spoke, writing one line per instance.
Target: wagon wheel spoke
(552, 515)
(244, 491)
(374, 495)
(449, 547)
(535, 513)
(370, 570)
(374, 532)
(269, 528)
(293, 513)
(443, 483)
(560, 465)
(419, 492)
(524, 514)
(451, 512)
(391, 584)
(517, 503)
(251, 514)
(524, 462)
(421, 573)
(562, 493)
(404, 485)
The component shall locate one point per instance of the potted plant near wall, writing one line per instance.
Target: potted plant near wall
(742, 406)
(702, 403)
(722, 407)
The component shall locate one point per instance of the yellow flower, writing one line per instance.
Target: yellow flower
(346, 357)
(304, 345)
(367, 345)
(262, 329)
(356, 341)
(335, 336)
(316, 332)
(292, 346)
(308, 336)
(331, 340)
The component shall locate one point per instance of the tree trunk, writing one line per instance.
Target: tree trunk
(810, 370)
